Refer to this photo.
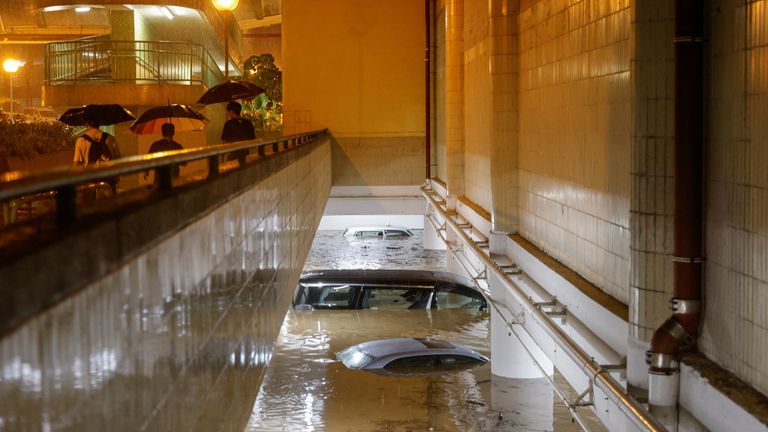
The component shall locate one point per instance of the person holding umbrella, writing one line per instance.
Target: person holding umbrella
(237, 129)
(94, 145)
(166, 144)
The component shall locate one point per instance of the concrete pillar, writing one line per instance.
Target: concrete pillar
(432, 238)
(509, 358)
(122, 33)
(650, 223)
(454, 98)
(504, 115)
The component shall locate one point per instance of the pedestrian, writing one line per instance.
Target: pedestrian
(95, 146)
(166, 144)
(237, 129)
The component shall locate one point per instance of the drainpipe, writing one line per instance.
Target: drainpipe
(679, 332)
(427, 84)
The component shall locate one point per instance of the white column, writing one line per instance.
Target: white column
(508, 356)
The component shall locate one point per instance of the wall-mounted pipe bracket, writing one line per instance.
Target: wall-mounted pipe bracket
(684, 306)
(685, 339)
(687, 260)
(662, 362)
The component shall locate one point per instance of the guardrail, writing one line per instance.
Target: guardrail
(598, 375)
(93, 59)
(65, 181)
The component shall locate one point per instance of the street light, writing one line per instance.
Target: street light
(11, 66)
(225, 6)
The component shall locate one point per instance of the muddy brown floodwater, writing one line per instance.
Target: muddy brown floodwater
(306, 389)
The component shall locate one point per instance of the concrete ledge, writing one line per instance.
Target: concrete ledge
(704, 385)
(39, 276)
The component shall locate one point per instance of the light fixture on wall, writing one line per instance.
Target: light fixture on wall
(83, 9)
(226, 7)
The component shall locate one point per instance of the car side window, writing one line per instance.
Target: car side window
(395, 298)
(412, 362)
(396, 233)
(369, 234)
(453, 297)
(332, 296)
(447, 360)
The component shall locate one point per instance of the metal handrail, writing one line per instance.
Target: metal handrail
(633, 410)
(167, 61)
(64, 180)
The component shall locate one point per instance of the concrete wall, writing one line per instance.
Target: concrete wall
(357, 68)
(177, 337)
(735, 328)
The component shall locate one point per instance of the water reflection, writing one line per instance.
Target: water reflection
(331, 250)
(306, 389)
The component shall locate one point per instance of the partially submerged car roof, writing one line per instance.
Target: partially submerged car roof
(383, 275)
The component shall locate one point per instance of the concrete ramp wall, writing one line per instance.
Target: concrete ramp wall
(176, 334)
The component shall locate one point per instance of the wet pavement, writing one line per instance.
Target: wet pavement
(306, 389)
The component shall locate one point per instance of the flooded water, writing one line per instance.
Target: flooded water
(306, 389)
(331, 250)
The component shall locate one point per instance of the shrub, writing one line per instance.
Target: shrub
(28, 140)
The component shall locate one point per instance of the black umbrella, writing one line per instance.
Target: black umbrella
(182, 117)
(229, 91)
(105, 114)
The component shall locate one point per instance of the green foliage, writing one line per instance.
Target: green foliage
(262, 71)
(28, 140)
(266, 110)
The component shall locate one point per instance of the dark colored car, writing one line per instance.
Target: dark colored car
(385, 289)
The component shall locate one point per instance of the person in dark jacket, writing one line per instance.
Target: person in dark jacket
(237, 129)
(166, 144)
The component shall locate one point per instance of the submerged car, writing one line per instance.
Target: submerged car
(409, 354)
(385, 289)
(378, 232)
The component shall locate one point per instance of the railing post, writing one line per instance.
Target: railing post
(260, 150)
(66, 206)
(213, 167)
(241, 156)
(275, 146)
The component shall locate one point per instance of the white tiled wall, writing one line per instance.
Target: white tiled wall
(575, 136)
(176, 339)
(735, 327)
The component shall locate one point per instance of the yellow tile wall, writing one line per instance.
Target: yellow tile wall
(575, 135)
(477, 104)
(735, 327)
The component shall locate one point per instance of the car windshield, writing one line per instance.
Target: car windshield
(51, 114)
(354, 358)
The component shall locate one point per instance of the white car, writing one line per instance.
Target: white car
(409, 355)
(46, 115)
(378, 232)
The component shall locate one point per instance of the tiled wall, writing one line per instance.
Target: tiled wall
(735, 327)
(454, 97)
(477, 104)
(177, 339)
(575, 136)
(382, 161)
(653, 139)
